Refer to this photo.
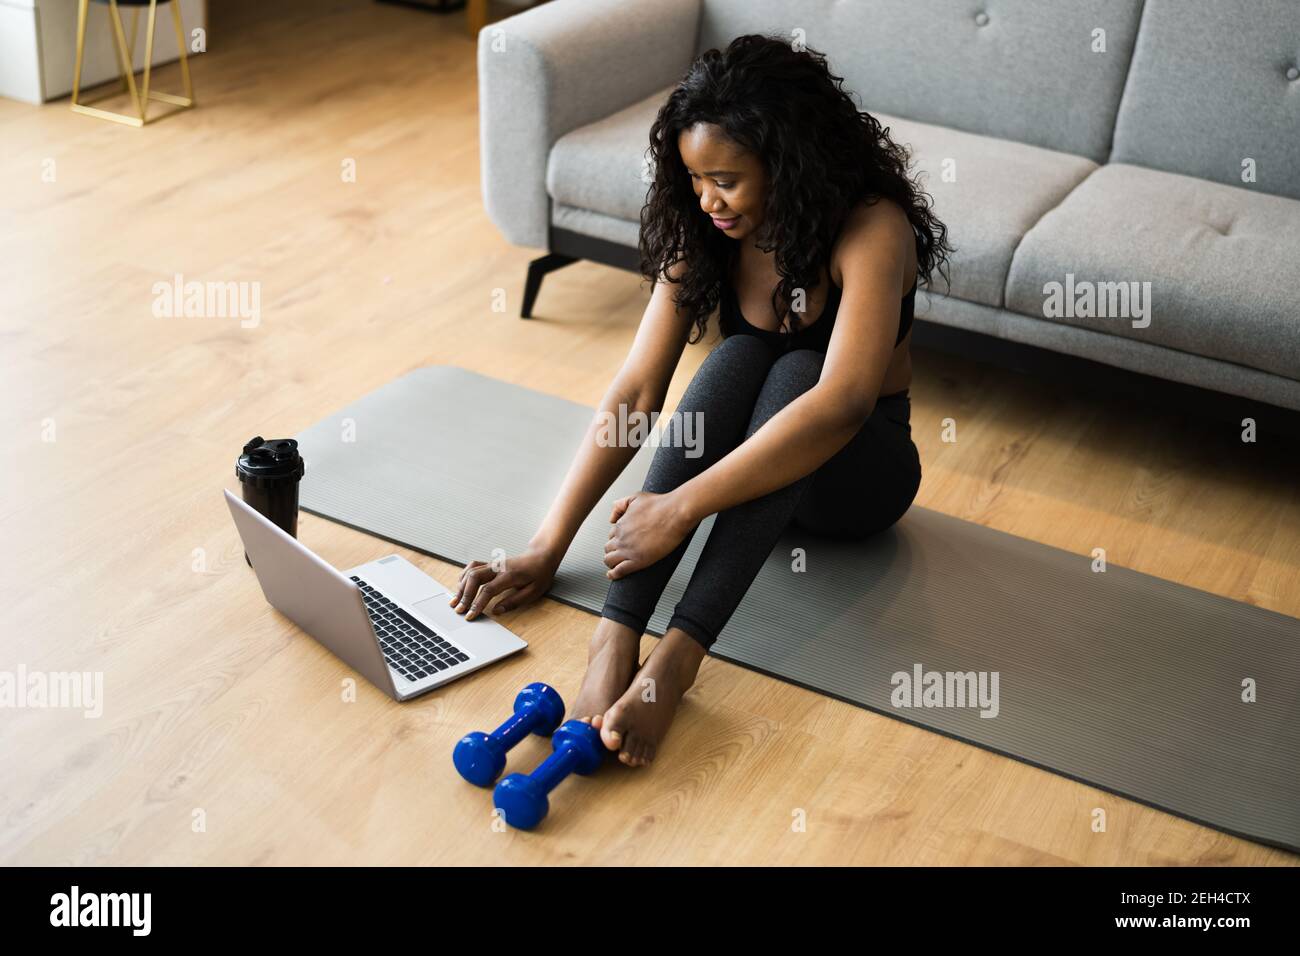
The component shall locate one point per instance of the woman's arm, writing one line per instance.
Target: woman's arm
(593, 470)
(811, 429)
(794, 442)
(641, 386)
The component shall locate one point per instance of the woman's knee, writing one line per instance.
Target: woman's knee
(792, 374)
(738, 353)
(713, 413)
(732, 370)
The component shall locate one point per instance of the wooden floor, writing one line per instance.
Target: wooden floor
(224, 737)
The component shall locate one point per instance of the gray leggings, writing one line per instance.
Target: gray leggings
(863, 488)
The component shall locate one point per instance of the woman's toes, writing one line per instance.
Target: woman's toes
(611, 733)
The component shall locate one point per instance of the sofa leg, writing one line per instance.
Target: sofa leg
(537, 270)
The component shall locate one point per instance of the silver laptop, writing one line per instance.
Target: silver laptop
(386, 618)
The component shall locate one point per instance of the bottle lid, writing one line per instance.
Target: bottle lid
(266, 463)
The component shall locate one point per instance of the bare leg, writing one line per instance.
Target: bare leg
(612, 656)
(722, 394)
(640, 718)
(863, 488)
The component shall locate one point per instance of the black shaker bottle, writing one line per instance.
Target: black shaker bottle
(269, 472)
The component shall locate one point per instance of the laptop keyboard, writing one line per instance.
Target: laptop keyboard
(411, 648)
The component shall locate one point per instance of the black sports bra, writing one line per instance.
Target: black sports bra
(815, 335)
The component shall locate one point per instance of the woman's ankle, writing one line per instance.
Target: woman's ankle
(687, 653)
(611, 633)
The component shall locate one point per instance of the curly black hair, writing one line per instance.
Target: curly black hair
(822, 156)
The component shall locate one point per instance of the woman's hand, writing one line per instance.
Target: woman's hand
(528, 574)
(647, 526)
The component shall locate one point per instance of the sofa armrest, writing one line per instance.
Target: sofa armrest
(558, 66)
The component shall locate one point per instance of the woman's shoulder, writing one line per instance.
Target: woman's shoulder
(675, 272)
(869, 230)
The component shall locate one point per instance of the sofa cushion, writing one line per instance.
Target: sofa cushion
(999, 190)
(1027, 70)
(1220, 261)
(603, 166)
(1213, 85)
(988, 192)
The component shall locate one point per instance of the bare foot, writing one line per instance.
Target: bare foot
(636, 723)
(611, 662)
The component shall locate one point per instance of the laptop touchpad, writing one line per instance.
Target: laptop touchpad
(444, 618)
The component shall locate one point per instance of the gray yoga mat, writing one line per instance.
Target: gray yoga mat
(1118, 679)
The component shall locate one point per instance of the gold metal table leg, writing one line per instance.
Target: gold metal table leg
(126, 58)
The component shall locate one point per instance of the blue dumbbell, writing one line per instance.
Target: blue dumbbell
(480, 758)
(523, 798)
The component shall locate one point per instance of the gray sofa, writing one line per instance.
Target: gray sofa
(1095, 141)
